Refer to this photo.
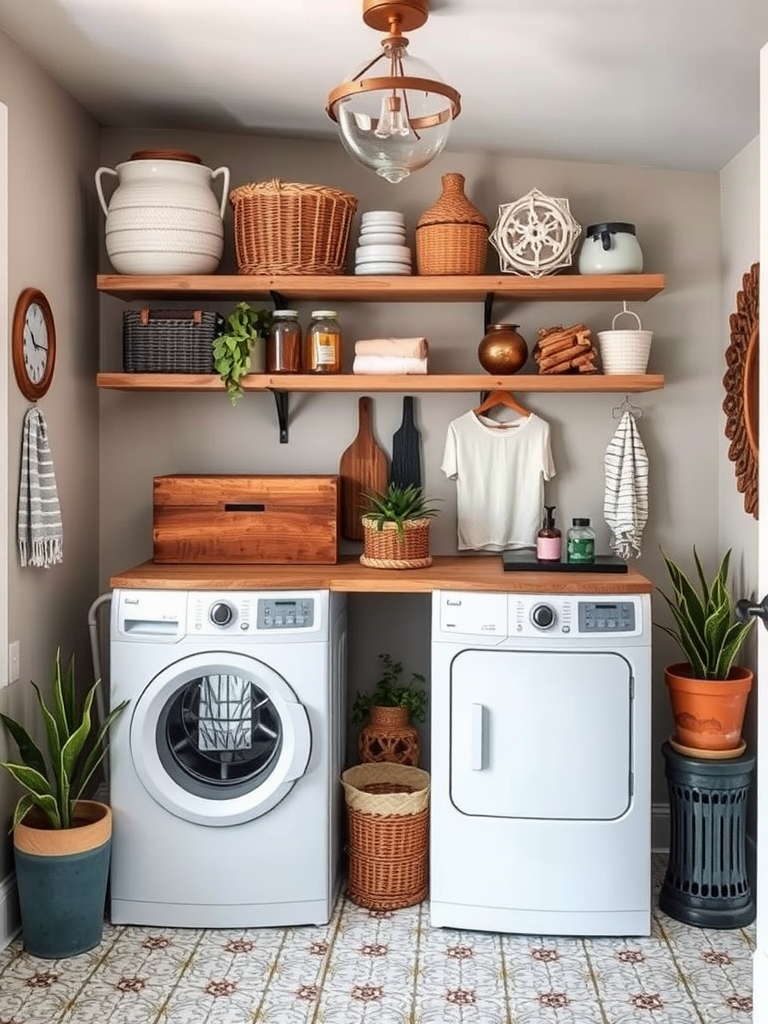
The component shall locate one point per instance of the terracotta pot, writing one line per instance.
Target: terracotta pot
(708, 713)
(389, 736)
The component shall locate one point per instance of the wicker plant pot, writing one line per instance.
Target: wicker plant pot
(388, 820)
(389, 736)
(452, 235)
(386, 549)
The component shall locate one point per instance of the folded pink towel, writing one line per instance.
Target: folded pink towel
(414, 348)
(389, 364)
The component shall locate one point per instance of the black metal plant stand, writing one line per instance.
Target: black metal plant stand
(706, 882)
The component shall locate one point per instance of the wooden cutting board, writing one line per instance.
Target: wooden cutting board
(364, 466)
(406, 450)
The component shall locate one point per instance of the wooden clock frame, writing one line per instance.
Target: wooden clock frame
(28, 388)
(742, 389)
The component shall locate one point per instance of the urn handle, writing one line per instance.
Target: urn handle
(103, 170)
(224, 171)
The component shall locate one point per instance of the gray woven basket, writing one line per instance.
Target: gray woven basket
(170, 341)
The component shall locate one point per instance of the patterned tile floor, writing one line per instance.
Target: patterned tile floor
(386, 968)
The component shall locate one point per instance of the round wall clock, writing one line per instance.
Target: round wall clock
(33, 343)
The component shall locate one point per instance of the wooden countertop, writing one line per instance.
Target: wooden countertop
(447, 572)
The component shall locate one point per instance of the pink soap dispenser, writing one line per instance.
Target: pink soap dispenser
(549, 538)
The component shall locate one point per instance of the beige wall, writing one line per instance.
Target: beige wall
(52, 245)
(677, 218)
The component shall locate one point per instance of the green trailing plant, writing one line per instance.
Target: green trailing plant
(397, 505)
(232, 349)
(707, 632)
(390, 692)
(55, 782)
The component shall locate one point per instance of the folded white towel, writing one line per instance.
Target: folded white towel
(388, 364)
(38, 524)
(626, 488)
(415, 348)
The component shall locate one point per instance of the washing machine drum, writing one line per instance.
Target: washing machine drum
(219, 738)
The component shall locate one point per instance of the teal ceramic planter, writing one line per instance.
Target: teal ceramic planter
(62, 884)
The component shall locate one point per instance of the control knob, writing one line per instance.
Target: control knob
(221, 614)
(543, 616)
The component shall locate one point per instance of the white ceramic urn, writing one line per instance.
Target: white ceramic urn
(163, 217)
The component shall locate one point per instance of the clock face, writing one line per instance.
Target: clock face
(33, 343)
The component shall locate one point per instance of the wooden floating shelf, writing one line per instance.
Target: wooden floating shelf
(565, 288)
(411, 383)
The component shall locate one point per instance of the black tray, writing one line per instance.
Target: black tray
(525, 560)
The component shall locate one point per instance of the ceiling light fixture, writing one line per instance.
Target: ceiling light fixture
(397, 122)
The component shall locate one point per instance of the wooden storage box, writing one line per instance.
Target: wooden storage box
(240, 519)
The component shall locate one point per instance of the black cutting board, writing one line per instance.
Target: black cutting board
(525, 560)
(405, 470)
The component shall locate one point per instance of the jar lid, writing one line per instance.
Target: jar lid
(286, 312)
(595, 230)
(166, 154)
(324, 312)
(581, 522)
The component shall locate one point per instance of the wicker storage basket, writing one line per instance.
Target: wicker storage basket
(625, 351)
(284, 227)
(385, 549)
(452, 235)
(388, 819)
(169, 340)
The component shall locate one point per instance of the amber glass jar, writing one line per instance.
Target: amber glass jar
(322, 349)
(284, 344)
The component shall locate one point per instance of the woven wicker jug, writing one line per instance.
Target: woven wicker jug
(452, 235)
(389, 736)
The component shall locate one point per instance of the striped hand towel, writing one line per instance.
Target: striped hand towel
(626, 488)
(39, 528)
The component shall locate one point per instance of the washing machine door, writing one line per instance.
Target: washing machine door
(219, 738)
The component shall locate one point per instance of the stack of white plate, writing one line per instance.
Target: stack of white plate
(381, 247)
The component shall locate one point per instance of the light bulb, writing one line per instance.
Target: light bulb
(392, 120)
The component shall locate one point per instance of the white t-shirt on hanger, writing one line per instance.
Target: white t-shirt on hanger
(499, 471)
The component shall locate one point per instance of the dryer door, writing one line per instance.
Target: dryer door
(219, 738)
(541, 734)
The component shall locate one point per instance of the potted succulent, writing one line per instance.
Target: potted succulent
(390, 709)
(396, 528)
(61, 841)
(241, 348)
(707, 691)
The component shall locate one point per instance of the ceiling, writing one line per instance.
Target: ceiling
(666, 83)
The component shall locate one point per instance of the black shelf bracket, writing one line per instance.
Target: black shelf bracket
(488, 310)
(278, 302)
(281, 404)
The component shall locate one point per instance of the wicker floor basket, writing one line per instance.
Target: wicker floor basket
(285, 227)
(388, 819)
(386, 549)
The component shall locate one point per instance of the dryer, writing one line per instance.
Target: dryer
(541, 750)
(224, 769)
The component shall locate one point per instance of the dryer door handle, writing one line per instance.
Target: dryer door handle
(477, 737)
(302, 741)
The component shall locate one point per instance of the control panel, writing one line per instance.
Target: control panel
(606, 617)
(285, 613)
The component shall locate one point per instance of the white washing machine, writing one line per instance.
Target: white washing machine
(225, 767)
(541, 752)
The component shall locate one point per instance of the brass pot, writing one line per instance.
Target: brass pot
(502, 349)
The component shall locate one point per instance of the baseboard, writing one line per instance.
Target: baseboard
(10, 922)
(660, 827)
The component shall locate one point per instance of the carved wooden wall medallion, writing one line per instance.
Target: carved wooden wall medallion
(742, 389)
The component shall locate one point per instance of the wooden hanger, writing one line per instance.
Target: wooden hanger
(506, 398)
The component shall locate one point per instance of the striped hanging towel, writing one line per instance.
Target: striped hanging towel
(626, 488)
(39, 527)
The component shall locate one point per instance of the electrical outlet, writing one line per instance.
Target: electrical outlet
(14, 661)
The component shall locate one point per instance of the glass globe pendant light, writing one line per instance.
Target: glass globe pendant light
(394, 113)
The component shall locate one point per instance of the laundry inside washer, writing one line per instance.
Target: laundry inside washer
(224, 772)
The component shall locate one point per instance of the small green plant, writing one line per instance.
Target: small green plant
(391, 693)
(56, 784)
(232, 349)
(396, 505)
(707, 633)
